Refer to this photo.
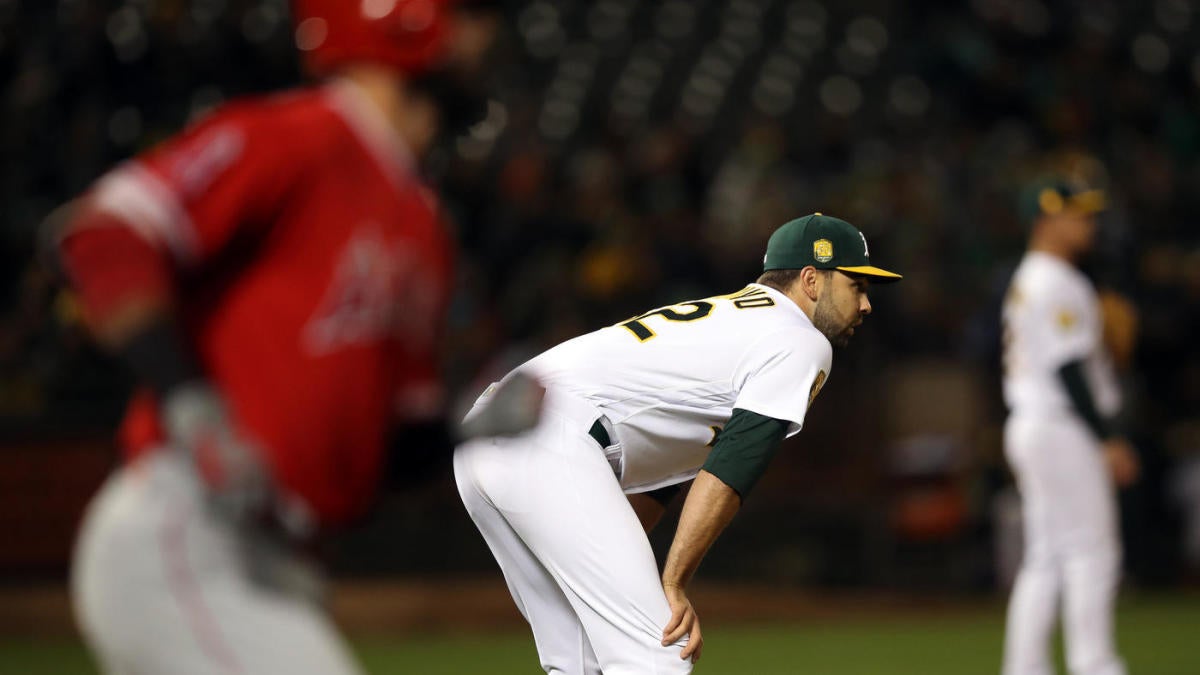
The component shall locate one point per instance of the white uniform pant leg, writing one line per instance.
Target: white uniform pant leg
(1090, 594)
(552, 511)
(562, 643)
(1033, 605)
(1071, 548)
(159, 587)
(1032, 610)
(1091, 562)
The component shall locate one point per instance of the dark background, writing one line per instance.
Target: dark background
(641, 154)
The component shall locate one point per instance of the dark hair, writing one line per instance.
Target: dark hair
(780, 280)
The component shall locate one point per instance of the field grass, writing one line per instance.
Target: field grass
(1158, 636)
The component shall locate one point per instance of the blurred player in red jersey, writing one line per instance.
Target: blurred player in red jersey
(275, 276)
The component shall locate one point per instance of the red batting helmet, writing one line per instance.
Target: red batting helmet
(408, 36)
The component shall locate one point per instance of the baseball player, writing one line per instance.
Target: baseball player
(705, 389)
(1061, 393)
(274, 276)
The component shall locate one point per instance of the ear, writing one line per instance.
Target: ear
(809, 281)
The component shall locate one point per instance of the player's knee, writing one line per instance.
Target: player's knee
(652, 659)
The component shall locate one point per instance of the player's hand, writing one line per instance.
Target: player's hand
(198, 424)
(513, 407)
(1122, 461)
(273, 563)
(684, 621)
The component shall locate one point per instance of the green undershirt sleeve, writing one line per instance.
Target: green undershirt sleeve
(744, 448)
(1071, 375)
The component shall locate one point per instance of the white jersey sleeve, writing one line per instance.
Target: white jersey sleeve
(781, 374)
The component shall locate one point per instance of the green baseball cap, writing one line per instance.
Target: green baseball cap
(825, 243)
(1053, 195)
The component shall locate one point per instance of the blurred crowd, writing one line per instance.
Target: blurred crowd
(640, 152)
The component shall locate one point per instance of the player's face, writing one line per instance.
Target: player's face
(1083, 232)
(1076, 232)
(841, 306)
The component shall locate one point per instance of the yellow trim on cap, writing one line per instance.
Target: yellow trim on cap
(1049, 201)
(871, 271)
(1091, 201)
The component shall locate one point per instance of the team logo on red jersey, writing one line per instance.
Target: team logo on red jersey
(380, 289)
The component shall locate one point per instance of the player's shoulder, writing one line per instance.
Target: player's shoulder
(790, 351)
(276, 131)
(295, 119)
(789, 334)
(1048, 276)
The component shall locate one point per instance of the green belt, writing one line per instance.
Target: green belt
(599, 433)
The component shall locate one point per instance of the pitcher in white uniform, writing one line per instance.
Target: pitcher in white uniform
(704, 389)
(1062, 394)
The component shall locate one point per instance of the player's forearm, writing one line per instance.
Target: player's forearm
(122, 281)
(126, 287)
(1072, 377)
(709, 507)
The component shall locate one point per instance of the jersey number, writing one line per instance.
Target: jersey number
(748, 298)
(636, 325)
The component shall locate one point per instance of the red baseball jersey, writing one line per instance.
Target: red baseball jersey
(312, 273)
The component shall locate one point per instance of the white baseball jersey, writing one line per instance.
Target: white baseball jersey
(1052, 317)
(668, 380)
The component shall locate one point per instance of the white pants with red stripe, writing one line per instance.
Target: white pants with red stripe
(160, 587)
(574, 554)
(1072, 553)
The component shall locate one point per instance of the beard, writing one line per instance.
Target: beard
(825, 318)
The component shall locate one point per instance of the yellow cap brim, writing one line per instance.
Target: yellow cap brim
(1088, 202)
(883, 276)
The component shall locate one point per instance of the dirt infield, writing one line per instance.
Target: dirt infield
(473, 605)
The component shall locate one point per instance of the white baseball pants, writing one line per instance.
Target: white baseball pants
(1072, 549)
(575, 557)
(159, 587)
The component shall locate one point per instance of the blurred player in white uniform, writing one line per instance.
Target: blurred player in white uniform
(705, 389)
(1062, 394)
